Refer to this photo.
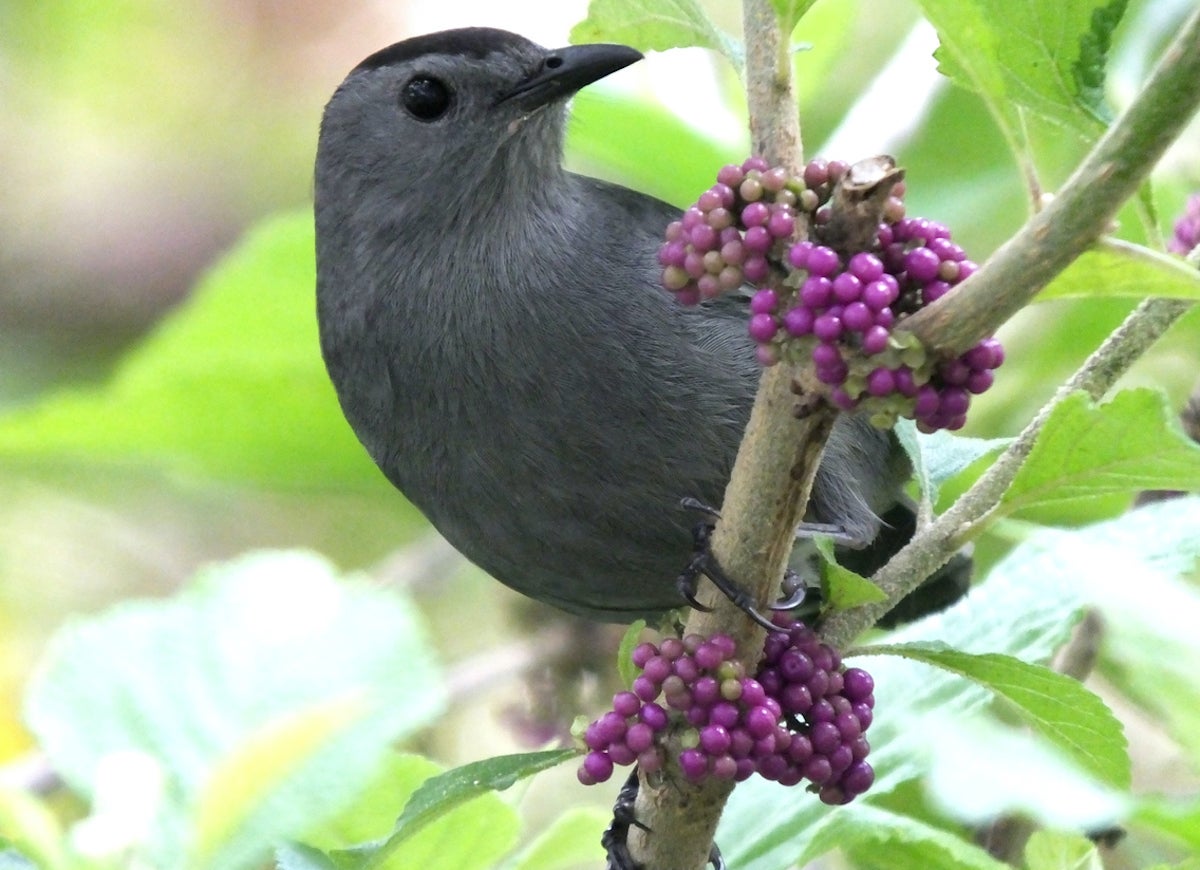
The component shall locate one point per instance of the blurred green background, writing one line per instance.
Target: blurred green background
(148, 427)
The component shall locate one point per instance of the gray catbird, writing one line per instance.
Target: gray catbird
(495, 330)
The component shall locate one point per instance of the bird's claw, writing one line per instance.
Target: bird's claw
(795, 592)
(615, 838)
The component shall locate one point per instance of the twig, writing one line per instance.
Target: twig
(768, 488)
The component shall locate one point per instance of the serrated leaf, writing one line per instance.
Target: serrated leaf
(1056, 706)
(940, 456)
(1119, 268)
(1130, 443)
(1025, 608)
(1024, 54)
(253, 646)
(230, 385)
(841, 587)
(472, 836)
(1055, 850)
(625, 667)
(1091, 67)
(440, 794)
(656, 25)
(789, 12)
(571, 840)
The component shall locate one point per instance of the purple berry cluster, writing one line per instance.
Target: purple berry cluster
(1187, 228)
(801, 717)
(839, 314)
(724, 240)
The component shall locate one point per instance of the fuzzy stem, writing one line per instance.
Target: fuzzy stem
(768, 488)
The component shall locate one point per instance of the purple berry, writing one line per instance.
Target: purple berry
(865, 266)
(879, 294)
(626, 704)
(756, 268)
(857, 778)
(816, 292)
(847, 288)
(781, 223)
(922, 265)
(715, 739)
(760, 721)
(639, 737)
(798, 321)
(822, 261)
(597, 766)
(756, 214)
(857, 317)
(827, 327)
(798, 254)
(765, 301)
(857, 684)
(763, 327)
(979, 382)
(875, 340)
(881, 382)
(693, 763)
(725, 714)
(933, 291)
(731, 175)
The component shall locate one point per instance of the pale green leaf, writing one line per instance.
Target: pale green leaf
(980, 770)
(790, 12)
(655, 25)
(1056, 706)
(230, 385)
(1043, 57)
(572, 840)
(841, 587)
(439, 795)
(1118, 268)
(1055, 850)
(940, 456)
(1130, 443)
(272, 654)
(629, 642)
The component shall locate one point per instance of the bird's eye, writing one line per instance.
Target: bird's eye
(425, 98)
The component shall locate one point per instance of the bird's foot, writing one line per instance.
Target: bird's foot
(615, 838)
(704, 563)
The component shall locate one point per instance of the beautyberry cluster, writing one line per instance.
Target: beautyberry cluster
(839, 312)
(802, 716)
(1187, 228)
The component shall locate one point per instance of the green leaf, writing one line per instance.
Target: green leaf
(297, 856)
(629, 641)
(1118, 268)
(656, 25)
(230, 385)
(841, 587)
(473, 835)
(571, 840)
(1129, 443)
(1056, 706)
(790, 12)
(1025, 608)
(267, 694)
(941, 456)
(1091, 67)
(441, 794)
(872, 833)
(1177, 817)
(1025, 54)
(976, 787)
(32, 826)
(1055, 850)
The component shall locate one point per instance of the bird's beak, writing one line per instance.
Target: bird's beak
(565, 70)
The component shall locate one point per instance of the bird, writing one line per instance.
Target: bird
(498, 339)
